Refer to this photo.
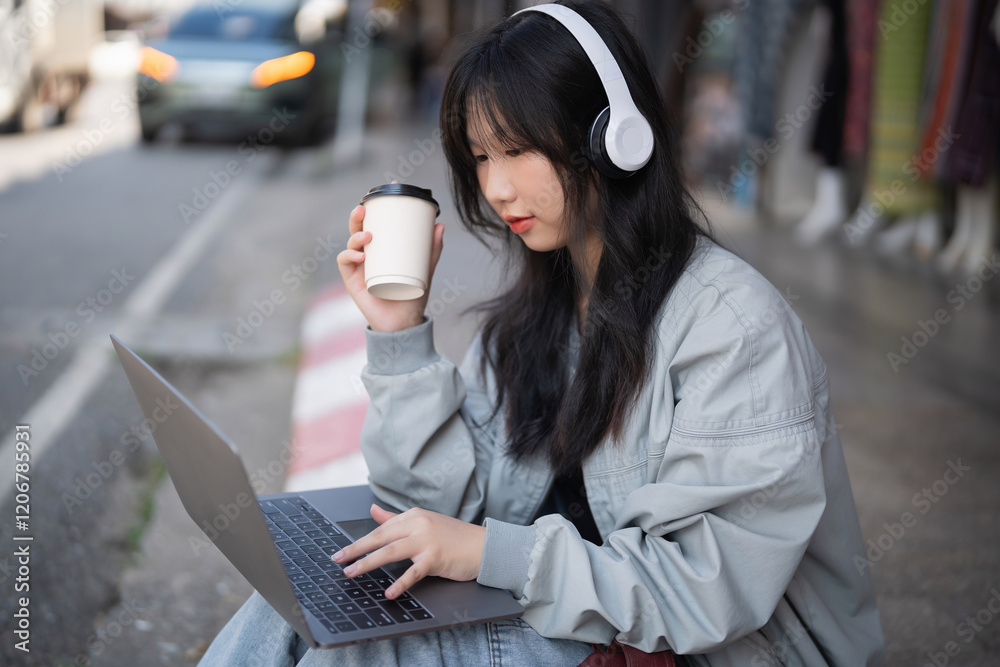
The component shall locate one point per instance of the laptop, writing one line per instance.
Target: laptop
(282, 542)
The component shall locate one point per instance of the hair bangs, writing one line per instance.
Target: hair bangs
(508, 107)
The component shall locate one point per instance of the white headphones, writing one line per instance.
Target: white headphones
(621, 139)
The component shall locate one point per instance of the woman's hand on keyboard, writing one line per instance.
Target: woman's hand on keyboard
(438, 545)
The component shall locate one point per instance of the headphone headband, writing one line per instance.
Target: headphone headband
(629, 138)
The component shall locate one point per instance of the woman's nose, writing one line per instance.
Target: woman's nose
(498, 188)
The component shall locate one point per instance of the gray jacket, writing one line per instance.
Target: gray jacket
(730, 531)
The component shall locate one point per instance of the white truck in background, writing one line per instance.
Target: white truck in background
(45, 48)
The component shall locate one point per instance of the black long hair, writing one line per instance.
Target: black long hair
(532, 85)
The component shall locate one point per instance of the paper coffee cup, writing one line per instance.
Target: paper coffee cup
(401, 219)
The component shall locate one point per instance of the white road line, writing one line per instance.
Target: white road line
(51, 413)
(330, 318)
(329, 386)
(349, 470)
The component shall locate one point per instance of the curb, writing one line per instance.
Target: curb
(330, 401)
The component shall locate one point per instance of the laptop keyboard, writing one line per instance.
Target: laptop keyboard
(306, 540)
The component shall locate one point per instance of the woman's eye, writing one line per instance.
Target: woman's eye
(480, 158)
(514, 152)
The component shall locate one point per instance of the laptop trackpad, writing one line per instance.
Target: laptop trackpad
(358, 528)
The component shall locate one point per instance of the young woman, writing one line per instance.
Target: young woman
(638, 445)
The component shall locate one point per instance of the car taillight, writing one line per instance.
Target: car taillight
(282, 69)
(157, 64)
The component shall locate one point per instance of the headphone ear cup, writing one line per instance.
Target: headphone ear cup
(597, 147)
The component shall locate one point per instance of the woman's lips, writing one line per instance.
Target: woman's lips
(520, 225)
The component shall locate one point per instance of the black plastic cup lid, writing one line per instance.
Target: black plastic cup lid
(402, 189)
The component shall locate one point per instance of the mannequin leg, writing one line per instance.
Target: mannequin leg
(828, 210)
(954, 251)
(867, 219)
(928, 238)
(898, 238)
(979, 205)
(975, 229)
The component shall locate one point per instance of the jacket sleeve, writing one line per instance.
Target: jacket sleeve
(423, 435)
(701, 553)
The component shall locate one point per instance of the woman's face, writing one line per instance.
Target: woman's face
(521, 185)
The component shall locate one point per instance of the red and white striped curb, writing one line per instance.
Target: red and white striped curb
(330, 400)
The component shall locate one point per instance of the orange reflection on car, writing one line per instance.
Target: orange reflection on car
(282, 69)
(157, 64)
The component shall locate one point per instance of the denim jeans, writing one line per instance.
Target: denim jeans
(257, 636)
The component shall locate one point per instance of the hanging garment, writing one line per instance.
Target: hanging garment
(892, 178)
(861, 17)
(828, 135)
(764, 29)
(945, 70)
(996, 25)
(971, 159)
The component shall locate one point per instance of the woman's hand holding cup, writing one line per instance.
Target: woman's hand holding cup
(382, 314)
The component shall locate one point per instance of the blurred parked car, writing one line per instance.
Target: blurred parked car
(239, 67)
